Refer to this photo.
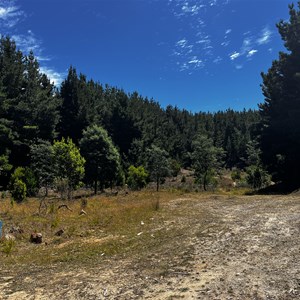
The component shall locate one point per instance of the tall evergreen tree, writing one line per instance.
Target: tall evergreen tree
(280, 134)
(73, 109)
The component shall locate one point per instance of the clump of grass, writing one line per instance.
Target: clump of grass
(156, 204)
(7, 246)
(52, 208)
(55, 222)
(84, 203)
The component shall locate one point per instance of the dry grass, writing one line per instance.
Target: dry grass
(119, 225)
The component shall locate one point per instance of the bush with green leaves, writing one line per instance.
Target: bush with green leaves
(27, 176)
(257, 177)
(18, 190)
(70, 164)
(236, 175)
(157, 164)
(207, 159)
(137, 177)
(43, 164)
(175, 167)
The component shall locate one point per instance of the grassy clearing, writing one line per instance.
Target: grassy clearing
(119, 225)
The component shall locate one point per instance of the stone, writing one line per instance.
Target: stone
(82, 212)
(9, 237)
(36, 238)
(59, 232)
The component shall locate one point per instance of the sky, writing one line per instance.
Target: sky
(200, 55)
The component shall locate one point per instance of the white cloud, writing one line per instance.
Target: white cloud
(217, 60)
(28, 42)
(191, 9)
(251, 52)
(195, 40)
(234, 55)
(197, 63)
(239, 67)
(54, 76)
(203, 41)
(265, 36)
(182, 43)
(10, 14)
(225, 44)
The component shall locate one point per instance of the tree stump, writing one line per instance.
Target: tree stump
(36, 238)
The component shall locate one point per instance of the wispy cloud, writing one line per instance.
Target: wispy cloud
(265, 36)
(10, 14)
(191, 9)
(217, 60)
(201, 42)
(251, 43)
(251, 52)
(195, 62)
(195, 51)
(10, 17)
(54, 76)
(28, 42)
(234, 55)
(182, 43)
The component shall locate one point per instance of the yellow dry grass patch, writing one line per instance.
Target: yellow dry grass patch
(111, 226)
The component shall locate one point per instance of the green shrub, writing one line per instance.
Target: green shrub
(18, 190)
(8, 246)
(27, 176)
(137, 177)
(31, 183)
(257, 177)
(175, 167)
(236, 175)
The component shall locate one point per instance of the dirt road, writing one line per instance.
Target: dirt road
(209, 247)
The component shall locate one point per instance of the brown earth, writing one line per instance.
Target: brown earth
(207, 247)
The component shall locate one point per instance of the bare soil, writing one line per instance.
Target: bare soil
(207, 247)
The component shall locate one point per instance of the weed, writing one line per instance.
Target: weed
(55, 222)
(52, 208)
(8, 246)
(83, 203)
(156, 204)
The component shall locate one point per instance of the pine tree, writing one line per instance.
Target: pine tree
(280, 133)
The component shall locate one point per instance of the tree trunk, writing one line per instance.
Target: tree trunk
(95, 187)
(157, 184)
(204, 181)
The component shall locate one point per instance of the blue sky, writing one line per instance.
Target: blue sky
(201, 55)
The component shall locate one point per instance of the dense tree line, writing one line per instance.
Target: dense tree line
(100, 134)
(112, 128)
